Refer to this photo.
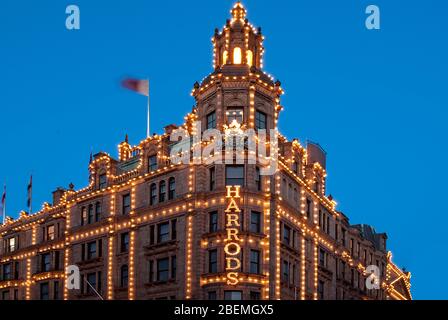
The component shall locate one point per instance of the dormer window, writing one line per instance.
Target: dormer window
(102, 181)
(225, 57)
(11, 245)
(250, 58)
(237, 56)
(50, 233)
(152, 163)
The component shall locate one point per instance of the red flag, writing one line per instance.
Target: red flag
(139, 86)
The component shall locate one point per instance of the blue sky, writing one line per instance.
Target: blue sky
(375, 100)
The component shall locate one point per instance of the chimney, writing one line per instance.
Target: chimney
(170, 128)
(57, 195)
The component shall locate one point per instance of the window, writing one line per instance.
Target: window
(352, 277)
(125, 242)
(250, 58)
(213, 221)
(295, 167)
(152, 163)
(56, 290)
(46, 262)
(151, 235)
(172, 188)
(124, 276)
(102, 181)
(126, 204)
(98, 210)
(213, 261)
(225, 57)
(12, 244)
(322, 258)
(173, 267)
(258, 179)
(255, 222)
(254, 261)
(212, 295)
(235, 175)
(153, 194)
(211, 120)
(16, 294)
(90, 215)
(320, 290)
(237, 57)
(232, 295)
(163, 232)
(5, 295)
(286, 235)
(162, 191)
(6, 272)
(151, 271)
(162, 269)
(83, 216)
(16, 270)
(50, 235)
(57, 257)
(235, 114)
(44, 291)
(173, 229)
(260, 120)
(91, 250)
(285, 271)
(254, 295)
(308, 208)
(316, 186)
(91, 282)
(212, 178)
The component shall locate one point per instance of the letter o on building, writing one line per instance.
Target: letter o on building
(232, 249)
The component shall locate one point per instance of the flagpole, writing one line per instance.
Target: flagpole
(148, 119)
(4, 205)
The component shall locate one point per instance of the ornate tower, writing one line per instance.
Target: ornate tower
(238, 89)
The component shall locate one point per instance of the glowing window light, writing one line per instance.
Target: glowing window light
(225, 56)
(237, 56)
(250, 58)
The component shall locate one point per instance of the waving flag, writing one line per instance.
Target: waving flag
(141, 87)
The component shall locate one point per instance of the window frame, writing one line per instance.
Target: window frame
(235, 181)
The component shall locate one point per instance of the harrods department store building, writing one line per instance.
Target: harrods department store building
(147, 228)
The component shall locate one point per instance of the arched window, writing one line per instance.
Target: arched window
(162, 191)
(98, 210)
(124, 276)
(250, 58)
(237, 56)
(172, 188)
(153, 194)
(225, 57)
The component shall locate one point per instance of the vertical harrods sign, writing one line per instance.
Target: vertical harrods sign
(232, 246)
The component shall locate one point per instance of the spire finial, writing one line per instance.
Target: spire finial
(238, 11)
(126, 138)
